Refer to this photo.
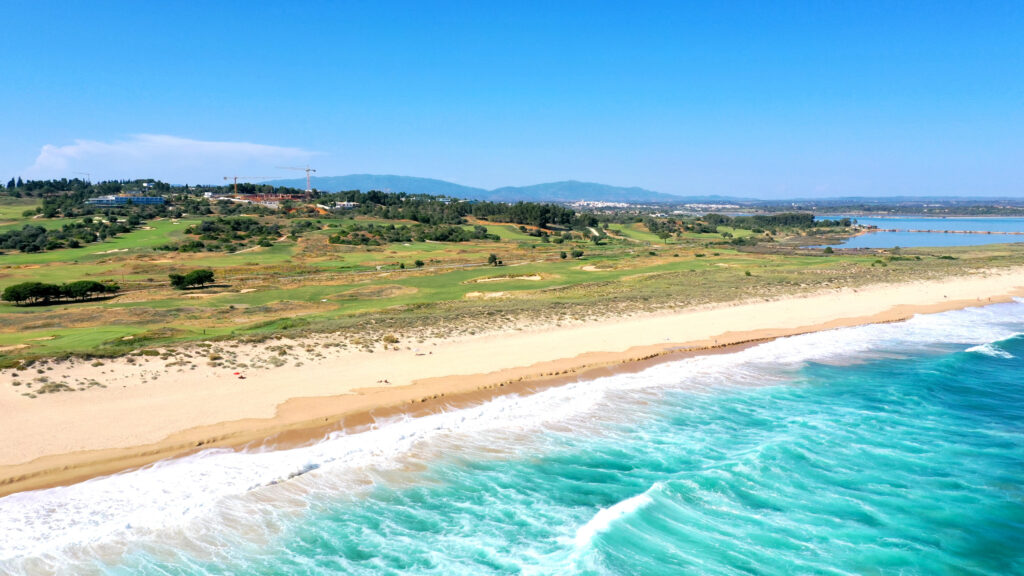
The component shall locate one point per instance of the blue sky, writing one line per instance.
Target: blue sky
(749, 99)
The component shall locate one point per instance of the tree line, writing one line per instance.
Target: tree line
(40, 293)
(801, 220)
(377, 234)
(435, 210)
(67, 197)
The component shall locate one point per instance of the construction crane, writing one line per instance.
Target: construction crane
(235, 178)
(88, 176)
(307, 170)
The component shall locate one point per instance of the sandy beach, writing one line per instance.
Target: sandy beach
(152, 408)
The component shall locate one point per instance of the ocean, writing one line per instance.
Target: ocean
(881, 449)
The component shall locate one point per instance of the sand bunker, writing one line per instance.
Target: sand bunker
(112, 251)
(209, 294)
(15, 347)
(532, 277)
(592, 268)
(485, 295)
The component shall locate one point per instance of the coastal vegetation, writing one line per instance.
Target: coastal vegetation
(363, 265)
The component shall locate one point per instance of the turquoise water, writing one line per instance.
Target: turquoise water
(890, 449)
(906, 239)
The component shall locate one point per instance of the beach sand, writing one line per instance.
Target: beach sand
(150, 410)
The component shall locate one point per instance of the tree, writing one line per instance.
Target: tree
(577, 253)
(828, 250)
(562, 255)
(18, 293)
(492, 260)
(200, 277)
(20, 183)
(44, 292)
(31, 292)
(81, 289)
(418, 263)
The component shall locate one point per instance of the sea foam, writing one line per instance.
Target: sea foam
(604, 518)
(990, 349)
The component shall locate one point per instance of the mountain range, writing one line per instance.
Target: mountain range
(566, 191)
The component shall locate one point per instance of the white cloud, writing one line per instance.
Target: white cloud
(168, 158)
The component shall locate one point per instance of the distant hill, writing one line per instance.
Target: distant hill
(571, 191)
(567, 191)
(387, 183)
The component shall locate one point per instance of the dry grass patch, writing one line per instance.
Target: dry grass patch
(381, 291)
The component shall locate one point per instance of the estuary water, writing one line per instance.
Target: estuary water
(884, 449)
(995, 228)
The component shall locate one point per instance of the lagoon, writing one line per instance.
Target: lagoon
(995, 232)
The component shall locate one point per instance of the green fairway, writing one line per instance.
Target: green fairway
(11, 209)
(153, 234)
(508, 232)
(636, 231)
(48, 223)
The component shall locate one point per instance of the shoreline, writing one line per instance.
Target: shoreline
(305, 416)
